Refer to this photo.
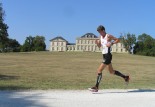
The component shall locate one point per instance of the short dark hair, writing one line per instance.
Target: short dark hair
(100, 27)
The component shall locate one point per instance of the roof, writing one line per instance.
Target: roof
(89, 35)
(58, 37)
(71, 44)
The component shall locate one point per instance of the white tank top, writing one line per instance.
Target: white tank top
(104, 41)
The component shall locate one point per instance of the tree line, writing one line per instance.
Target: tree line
(144, 44)
(7, 44)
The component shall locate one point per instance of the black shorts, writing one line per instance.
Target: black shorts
(107, 58)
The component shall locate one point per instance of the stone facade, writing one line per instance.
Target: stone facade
(83, 43)
(58, 44)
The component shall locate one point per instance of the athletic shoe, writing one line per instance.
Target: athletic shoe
(127, 78)
(93, 89)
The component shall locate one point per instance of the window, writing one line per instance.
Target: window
(77, 41)
(77, 47)
(92, 48)
(88, 48)
(83, 42)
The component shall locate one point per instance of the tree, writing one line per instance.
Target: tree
(34, 44)
(128, 41)
(147, 41)
(28, 45)
(39, 43)
(145, 45)
(13, 45)
(3, 31)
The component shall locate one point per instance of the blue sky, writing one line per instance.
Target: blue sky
(74, 18)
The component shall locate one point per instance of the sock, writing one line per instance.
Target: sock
(99, 77)
(119, 74)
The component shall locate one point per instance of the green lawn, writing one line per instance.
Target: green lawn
(72, 70)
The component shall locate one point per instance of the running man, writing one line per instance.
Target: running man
(106, 41)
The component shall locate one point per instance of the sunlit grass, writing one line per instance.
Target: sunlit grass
(72, 70)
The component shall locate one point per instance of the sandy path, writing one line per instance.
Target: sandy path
(82, 98)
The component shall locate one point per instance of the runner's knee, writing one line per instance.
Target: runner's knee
(99, 71)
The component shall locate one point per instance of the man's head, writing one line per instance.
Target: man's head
(101, 30)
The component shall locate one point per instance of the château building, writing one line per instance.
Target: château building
(83, 43)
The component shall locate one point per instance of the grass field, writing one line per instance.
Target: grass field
(72, 70)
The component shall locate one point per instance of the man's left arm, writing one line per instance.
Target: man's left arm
(110, 38)
(115, 40)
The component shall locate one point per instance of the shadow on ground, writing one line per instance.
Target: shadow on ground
(4, 78)
(137, 91)
(8, 77)
(141, 90)
(131, 91)
(16, 99)
(10, 87)
(10, 95)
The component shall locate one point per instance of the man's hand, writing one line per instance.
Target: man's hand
(98, 43)
(109, 44)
